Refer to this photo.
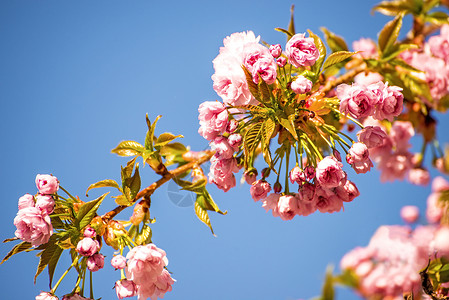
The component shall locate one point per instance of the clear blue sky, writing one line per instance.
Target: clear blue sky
(77, 77)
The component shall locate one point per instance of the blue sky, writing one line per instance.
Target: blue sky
(78, 77)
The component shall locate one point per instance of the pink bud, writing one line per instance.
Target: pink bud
(118, 262)
(337, 155)
(281, 61)
(89, 232)
(232, 126)
(441, 241)
(125, 288)
(87, 247)
(46, 296)
(309, 171)
(235, 140)
(250, 176)
(95, 262)
(301, 85)
(410, 213)
(277, 188)
(276, 50)
(26, 200)
(259, 190)
(45, 203)
(47, 184)
(297, 175)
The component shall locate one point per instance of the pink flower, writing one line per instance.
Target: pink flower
(327, 201)
(358, 157)
(356, 100)
(367, 78)
(250, 176)
(235, 140)
(221, 172)
(163, 285)
(434, 211)
(259, 190)
(400, 134)
(297, 175)
(390, 101)
(301, 51)
(441, 241)
(145, 264)
(233, 88)
(89, 232)
(271, 202)
(275, 50)
(26, 200)
(329, 172)
(87, 247)
(306, 192)
(372, 136)
(288, 207)
(118, 262)
(213, 119)
(47, 184)
(281, 61)
(223, 150)
(394, 167)
(367, 47)
(351, 190)
(95, 262)
(266, 69)
(439, 184)
(309, 171)
(410, 213)
(419, 176)
(125, 288)
(301, 85)
(232, 126)
(45, 203)
(33, 226)
(46, 296)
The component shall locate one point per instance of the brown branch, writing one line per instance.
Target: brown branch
(343, 78)
(148, 191)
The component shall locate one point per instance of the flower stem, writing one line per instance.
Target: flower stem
(91, 286)
(55, 287)
(65, 191)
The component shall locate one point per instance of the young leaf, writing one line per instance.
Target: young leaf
(337, 57)
(393, 8)
(128, 148)
(103, 183)
(253, 88)
(131, 185)
(53, 262)
(389, 34)
(252, 138)
(291, 24)
(437, 18)
(202, 214)
(328, 287)
(288, 33)
(166, 138)
(336, 43)
(23, 246)
(264, 89)
(52, 252)
(289, 125)
(87, 212)
(322, 49)
(122, 200)
(404, 65)
(128, 170)
(144, 237)
(204, 203)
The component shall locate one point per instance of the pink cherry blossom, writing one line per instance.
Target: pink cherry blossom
(33, 225)
(26, 200)
(327, 201)
(250, 176)
(213, 119)
(309, 172)
(351, 190)
(434, 210)
(356, 100)
(259, 190)
(221, 172)
(95, 262)
(297, 175)
(329, 172)
(390, 101)
(89, 232)
(410, 213)
(281, 62)
(394, 167)
(301, 85)
(45, 203)
(400, 134)
(235, 140)
(288, 207)
(162, 285)
(87, 247)
(276, 50)
(223, 150)
(46, 296)
(419, 176)
(47, 184)
(439, 184)
(358, 157)
(367, 78)
(301, 51)
(371, 136)
(118, 262)
(125, 288)
(265, 68)
(367, 47)
(271, 203)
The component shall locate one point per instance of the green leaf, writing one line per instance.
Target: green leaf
(87, 212)
(389, 34)
(53, 262)
(404, 65)
(144, 237)
(291, 24)
(128, 170)
(347, 278)
(253, 88)
(269, 127)
(336, 58)
(265, 94)
(393, 8)
(417, 86)
(336, 43)
(289, 125)
(322, 49)
(328, 287)
(173, 148)
(252, 138)
(23, 246)
(122, 200)
(429, 4)
(166, 138)
(128, 148)
(103, 183)
(254, 109)
(10, 240)
(437, 18)
(131, 185)
(203, 203)
(397, 49)
(51, 253)
(288, 33)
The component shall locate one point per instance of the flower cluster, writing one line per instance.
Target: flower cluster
(33, 221)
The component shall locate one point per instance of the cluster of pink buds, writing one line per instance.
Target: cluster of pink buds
(33, 221)
(89, 246)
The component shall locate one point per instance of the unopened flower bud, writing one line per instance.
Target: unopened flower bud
(337, 155)
(281, 61)
(45, 203)
(114, 231)
(46, 296)
(301, 85)
(118, 262)
(95, 262)
(410, 213)
(309, 171)
(87, 247)
(89, 232)
(266, 172)
(125, 288)
(98, 225)
(276, 50)
(140, 212)
(232, 126)
(235, 140)
(277, 188)
(47, 184)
